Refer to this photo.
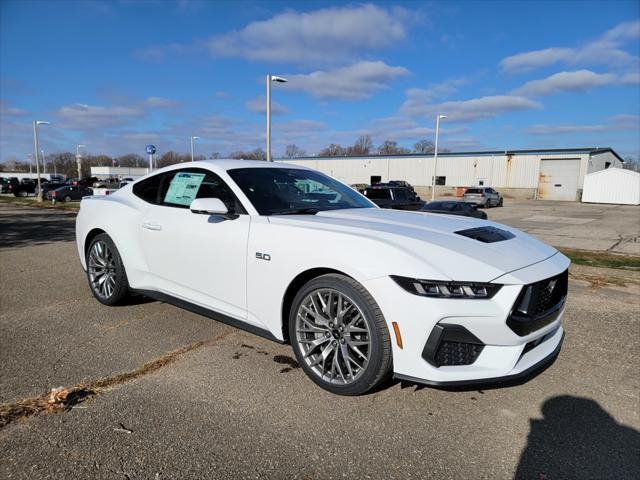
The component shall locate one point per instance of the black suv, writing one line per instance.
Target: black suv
(389, 196)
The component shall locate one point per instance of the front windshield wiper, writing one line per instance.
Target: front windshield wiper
(299, 211)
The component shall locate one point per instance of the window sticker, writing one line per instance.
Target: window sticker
(183, 188)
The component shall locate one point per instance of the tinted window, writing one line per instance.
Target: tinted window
(378, 193)
(148, 189)
(285, 190)
(474, 190)
(401, 195)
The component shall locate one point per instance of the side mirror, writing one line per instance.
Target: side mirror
(208, 206)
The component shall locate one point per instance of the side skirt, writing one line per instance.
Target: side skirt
(205, 312)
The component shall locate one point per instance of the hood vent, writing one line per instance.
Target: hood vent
(486, 234)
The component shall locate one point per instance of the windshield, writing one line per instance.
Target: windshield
(474, 190)
(277, 191)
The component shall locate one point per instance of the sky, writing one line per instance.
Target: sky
(119, 75)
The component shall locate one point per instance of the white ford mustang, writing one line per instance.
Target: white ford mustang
(360, 293)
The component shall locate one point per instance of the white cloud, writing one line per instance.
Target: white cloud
(326, 35)
(82, 116)
(578, 81)
(11, 111)
(631, 78)
(605, 50)
(355, 82)
(258, 105)
(617, 123)
(160, 102)
(467, 110)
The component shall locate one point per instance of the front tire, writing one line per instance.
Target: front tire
(500, 202)
(105, 271)
(339, 335)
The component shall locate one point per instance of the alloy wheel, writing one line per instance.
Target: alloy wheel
(102, 270)
(333, 336)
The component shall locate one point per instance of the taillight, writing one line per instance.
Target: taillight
(53, 194)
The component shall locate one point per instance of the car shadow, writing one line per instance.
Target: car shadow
(576, 438)
(35, 228)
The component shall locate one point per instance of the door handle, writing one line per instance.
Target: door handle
(152, 226)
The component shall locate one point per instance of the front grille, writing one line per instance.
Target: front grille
(550, 292)
(539, 304)
(457, 353)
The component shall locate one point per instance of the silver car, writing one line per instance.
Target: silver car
(483, 197)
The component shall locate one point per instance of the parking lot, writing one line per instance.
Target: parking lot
(233, 405)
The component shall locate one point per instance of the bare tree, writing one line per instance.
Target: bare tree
(631, 163)
(390, 147)
(215, 155)
(333, 150)
(424, 146)
(257, 154)
(293, 151)
(363, 146)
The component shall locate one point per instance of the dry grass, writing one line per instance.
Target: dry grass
(63, 399)
(602, 259)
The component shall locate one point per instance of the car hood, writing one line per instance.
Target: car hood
(432, 238)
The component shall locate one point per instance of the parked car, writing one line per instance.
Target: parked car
(399, 198)
(68, 193)
(22, 188)
(107, 183)
(4, 185)
(361, 187)
(455, 208)
(83, 182)
(359, 292)
(401, 183)
(483, 197)
(47, 187)
(125, 181)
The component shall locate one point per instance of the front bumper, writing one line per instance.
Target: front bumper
(504, 355)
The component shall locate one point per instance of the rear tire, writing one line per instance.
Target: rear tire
(105, 271)
(67, 199)
(500, 202)
(339, 335)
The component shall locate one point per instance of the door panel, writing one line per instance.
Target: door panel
(200, 258)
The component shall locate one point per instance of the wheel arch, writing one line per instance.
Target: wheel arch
(93, 233)
(294, 286)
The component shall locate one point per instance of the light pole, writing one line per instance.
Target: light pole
(435, 156)
(44, 162)
(271, 78)
(192, 139)
(37, 147)
(78, 158)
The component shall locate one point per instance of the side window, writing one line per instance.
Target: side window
(400, 195)
(149, 189)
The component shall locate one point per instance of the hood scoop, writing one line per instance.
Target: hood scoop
(486, 234)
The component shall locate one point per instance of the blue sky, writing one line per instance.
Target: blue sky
(119, 75)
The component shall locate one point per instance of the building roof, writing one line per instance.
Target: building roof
(548, 151)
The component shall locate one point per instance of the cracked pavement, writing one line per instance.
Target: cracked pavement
(239, 407)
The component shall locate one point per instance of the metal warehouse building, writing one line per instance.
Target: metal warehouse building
(555, 174)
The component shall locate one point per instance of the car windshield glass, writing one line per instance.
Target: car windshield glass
(473, 190)
(274, 191)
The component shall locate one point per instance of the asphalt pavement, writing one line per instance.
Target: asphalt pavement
(237, 406)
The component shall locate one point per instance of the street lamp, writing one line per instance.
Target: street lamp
(78, 158)
(435, 156)
(44, 162)
(37, 148)
(192, 139)
(271, 78)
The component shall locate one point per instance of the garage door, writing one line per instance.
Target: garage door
(559, 179)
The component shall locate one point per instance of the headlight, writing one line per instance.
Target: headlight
(442, 289)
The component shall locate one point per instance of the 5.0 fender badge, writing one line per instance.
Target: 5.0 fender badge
(263, 256)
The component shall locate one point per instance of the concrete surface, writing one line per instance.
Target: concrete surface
(584, 226)
(232, 409)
